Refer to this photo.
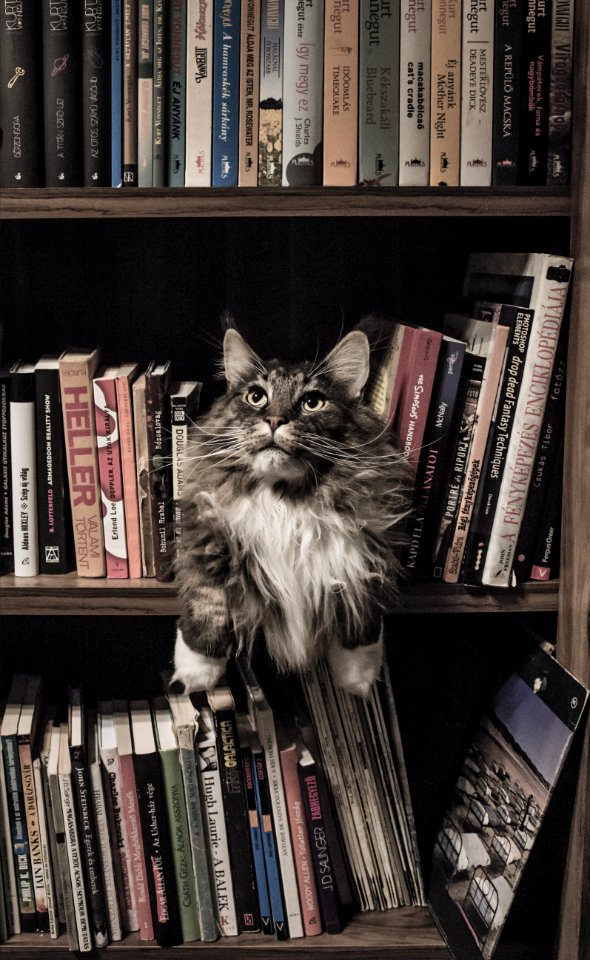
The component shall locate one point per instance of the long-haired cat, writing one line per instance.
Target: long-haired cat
(292, 505)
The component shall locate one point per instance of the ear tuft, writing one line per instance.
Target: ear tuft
(348, 363)
(239, 359)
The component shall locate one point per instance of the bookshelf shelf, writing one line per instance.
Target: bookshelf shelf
(69, 595)
(266, 202)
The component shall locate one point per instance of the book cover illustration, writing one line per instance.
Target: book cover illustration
(500, 799)
(61, 82)
(303, 112)
(270, 131)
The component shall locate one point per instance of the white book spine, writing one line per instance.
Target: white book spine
(105, 853)
(24, 488)
(414, 93)
(199, 92)
(477, 74)
(50, 891)
(75, 863)
(303, 93)
(10, 890)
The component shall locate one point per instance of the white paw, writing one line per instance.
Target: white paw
(356, 670)
(195, 671)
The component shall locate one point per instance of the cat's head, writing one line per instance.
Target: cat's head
(290, 419)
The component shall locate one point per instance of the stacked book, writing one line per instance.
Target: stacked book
(269, 93)
(186, 819)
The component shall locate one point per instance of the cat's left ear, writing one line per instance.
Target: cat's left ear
(348, 363)
(240, 361)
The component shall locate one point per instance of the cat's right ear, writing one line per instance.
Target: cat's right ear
(240, 361)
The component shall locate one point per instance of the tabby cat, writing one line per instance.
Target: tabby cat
(292, 507)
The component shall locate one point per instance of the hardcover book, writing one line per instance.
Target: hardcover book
(507, 86)
(73, 843)
(546, 555)
(414, 93)
(61, 84)
(176, 92)
(445, 93)
(126, 375)
(23, 465)
(416, 390)
(184, 408)
(76, 371)
(143, 477)
(145, 92)
(560, 92)
(130, 92)
(199, 93)
(499, 802)
(105, 835)
(477, 73)
(62, 865)
(157, 379)
(159, 99)
(28, 722)
(249, 93)
(116, 93)
(6, 541)
(270, 118)
(110, 472)
(226, 92)
(341, 66)
(40, 748)
(379, 92)
(20, 106)
(534, 99)
(303, 94)
(96, 86)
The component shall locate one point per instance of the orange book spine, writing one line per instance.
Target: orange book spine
(126, 439)
(341, 69)
(308, 897)
(445, 94)
(76, 371)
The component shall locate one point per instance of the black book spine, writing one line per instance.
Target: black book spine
(96, 85)
(546, 555)
(6, 542)
(19, 96)
(61, 93)
(89, 846)
(320, 850)
(506, 108)
(494, 460)
(534, 92)
(158, 424)
(159, 102)
(157, 849)
(52, 499)
(236, 821)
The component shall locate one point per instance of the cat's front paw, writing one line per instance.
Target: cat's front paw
(193, 670)
(356, 669)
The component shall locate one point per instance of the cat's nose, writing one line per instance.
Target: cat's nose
(275, 422)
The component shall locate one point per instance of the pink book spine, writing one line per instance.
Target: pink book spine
(416, 393)
(111, 762)
(128, 470)
(111, 479)
(130, 812)
(310, 910)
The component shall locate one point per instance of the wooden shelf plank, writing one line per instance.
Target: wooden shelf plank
(71, 595)
(288, 202)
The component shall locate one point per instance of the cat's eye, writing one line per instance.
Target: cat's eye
(312, 402)
(256, 397)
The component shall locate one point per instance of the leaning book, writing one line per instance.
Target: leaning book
(500, 799)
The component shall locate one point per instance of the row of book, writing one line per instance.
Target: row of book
(478, 411)
(268, 93)
(189, 819)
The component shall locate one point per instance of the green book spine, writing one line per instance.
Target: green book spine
(199, 843)
(181, 846)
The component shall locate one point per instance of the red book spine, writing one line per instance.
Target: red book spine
(416, 392)
(130, 811)
(111, 479)
(308, 897)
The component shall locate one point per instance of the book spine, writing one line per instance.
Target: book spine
(507, 81)
(545, 559)
(249, 93)
(159, 99)
(116, 93)
(184, 876)
(89, 848)
(341, 68)
(494, 460)
(198, 843)
(116, 800)
(524, 440)
(19, 112)
(31, 813)
(414, 93)
(445, 94)
(61, 93)
(53, 877)
(130, 92)
(176, 93)
(73, 848)
(320, 851)
(270, 118)
(6, 528)
(226, 93)
(80, 434)
(111, 479)
(483, 418)
(378, 93)
(129, 476)
(63, 866)
(19, 834)
(145, 92)
(534, 81)
(158, 425)
(52, 512)
(306, 881)
(560, 92)
(179, 424)
(24, 475)
(433, 458)
(269, 846)
(199, 93)
(104, 840)
(136, 850)
(303, 94)
(144, 500)
(415, 396)
(256, 840)
(7, 859)
(96, 119)
(477, 74)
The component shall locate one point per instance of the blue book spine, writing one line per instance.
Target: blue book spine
(226, 92)
(256, 840)
(116, 96)
(269, 847)
(176, 81)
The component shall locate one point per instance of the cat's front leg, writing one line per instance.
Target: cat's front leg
(356, 669)
(200, 653)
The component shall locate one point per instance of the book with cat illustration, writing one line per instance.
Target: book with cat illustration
(499, 801)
